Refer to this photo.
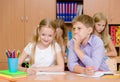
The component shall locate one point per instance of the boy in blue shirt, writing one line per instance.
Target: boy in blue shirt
(86, 51)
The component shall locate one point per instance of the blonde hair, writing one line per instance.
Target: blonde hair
(104, 34)
(60, 24)
(45, 22)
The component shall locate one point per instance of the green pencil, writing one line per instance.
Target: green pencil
(26, 64)
(18, 54)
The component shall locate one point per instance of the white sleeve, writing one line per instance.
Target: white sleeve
(28, 48)
(57, 47)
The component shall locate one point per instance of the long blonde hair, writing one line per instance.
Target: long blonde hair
(60, 24)
(45, 22)
(104, 34)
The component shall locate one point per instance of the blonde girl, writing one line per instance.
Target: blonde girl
(60, 35)
(101, 30)
(44, 53)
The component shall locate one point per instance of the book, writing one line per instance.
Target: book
(7, 74)
(69, 35)
(112, 76)
(97, 74)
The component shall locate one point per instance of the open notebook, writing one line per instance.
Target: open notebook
(98, 74)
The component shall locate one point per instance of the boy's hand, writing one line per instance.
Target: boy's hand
(77, 40)
(89, 70)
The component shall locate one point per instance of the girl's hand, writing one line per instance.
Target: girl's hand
(89, 70)
(31, 71)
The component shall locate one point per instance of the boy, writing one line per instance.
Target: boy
(86, 51)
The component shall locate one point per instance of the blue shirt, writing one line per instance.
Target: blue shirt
(94, 53)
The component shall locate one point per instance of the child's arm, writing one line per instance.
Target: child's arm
(84, 70)
(77, 43)
(96, 56)
(111, 50)
(72, 58)
(78, 69)
(30, 71)
(21, 59)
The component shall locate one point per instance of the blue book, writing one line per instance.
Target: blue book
(74, 9)
(58, 10)
(69, 35)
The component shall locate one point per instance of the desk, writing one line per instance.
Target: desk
(68, 77)
(1, 80)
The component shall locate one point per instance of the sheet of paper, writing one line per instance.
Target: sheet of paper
(56, 73)
(97, 74)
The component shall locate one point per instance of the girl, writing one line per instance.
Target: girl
(60, 35)
(44, 53)
(101, 30)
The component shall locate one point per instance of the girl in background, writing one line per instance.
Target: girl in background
(44, 53)
(60, 35)
(101, 30)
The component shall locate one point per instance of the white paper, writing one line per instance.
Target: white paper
(56, 73)
(97, 74)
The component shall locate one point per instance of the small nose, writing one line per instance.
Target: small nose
(75, 31)
(46, 38)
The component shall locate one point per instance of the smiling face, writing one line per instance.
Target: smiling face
(46, 35)
(100, 26)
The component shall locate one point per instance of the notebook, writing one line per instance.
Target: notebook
(97, 74)
(7, 74)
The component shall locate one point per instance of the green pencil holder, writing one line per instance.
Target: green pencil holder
(13, 64)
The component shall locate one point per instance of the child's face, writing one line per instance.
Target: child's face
(80, 31)
(46, 35)
(99, 26)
